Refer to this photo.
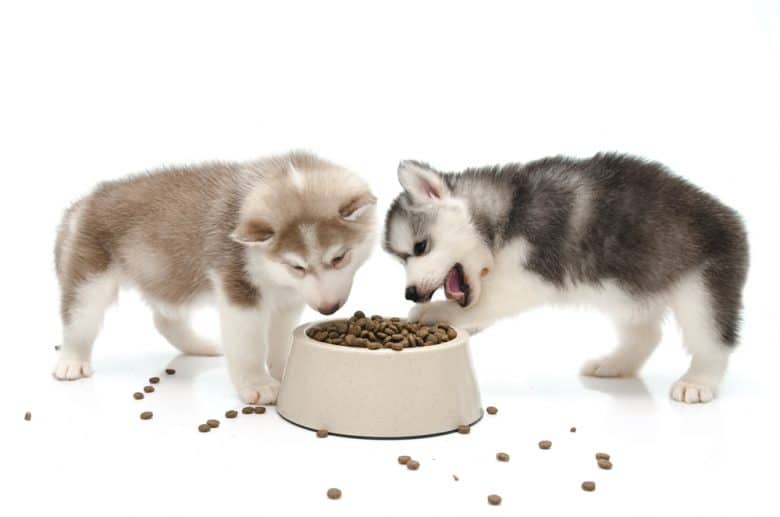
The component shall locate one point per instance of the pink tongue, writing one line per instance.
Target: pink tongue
(452, 284)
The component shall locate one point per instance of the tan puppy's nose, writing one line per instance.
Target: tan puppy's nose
(329, 309)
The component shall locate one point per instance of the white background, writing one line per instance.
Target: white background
(92, 91)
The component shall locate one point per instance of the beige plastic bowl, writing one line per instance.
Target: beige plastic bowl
(416, 392)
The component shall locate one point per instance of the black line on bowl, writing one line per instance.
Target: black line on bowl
(481, 414)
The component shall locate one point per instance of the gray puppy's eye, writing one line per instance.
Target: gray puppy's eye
(420, 247)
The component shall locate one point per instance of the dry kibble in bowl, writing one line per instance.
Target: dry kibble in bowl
(377, 332)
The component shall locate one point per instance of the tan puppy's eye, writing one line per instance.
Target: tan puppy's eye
(298, 270)
(338, 260)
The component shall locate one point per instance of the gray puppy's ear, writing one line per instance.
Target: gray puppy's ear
(424, 184)
(252, 231)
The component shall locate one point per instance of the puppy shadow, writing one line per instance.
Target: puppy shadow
(633, 387)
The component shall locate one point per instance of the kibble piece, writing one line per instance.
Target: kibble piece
(212, 423)
(605, 464)
(57, 348)
(545, 444)
(146, 415)
(204, 428)
(138, 395)
(492, 410)
(170, 371)
(359, 315)
(334, 493)
(464, 429)
(602, 456)
(573, 430)
(412, 465)
(502, 456)
(248, 410)
(28, 416)
(154, 380)
(259, 410)
(322, 433)
(403, 460)
(397, 346)
(231, 413)
(149, 389)
(588, 486)
(494, 499)
(456, 478)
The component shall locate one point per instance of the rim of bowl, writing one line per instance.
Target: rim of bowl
(300, 333)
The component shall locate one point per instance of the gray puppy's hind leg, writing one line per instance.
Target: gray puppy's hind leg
(637, 339)
(709, 321)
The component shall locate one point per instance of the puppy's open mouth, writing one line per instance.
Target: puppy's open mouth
(455, 285)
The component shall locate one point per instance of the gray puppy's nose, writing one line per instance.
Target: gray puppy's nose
(411, 293)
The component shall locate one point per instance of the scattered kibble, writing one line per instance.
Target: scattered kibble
(57, 348)
(334, 493)
(492, 410)
(602, 456)
(545, 444)
(403, 460)
(377, 332)
(322, 433)
(248, 410)
(456, 478)
(148, 389)
(494, 499)
(604, 464)
(464, 429)
(170, 371)
(231, 413)
(212, 423)
(138, 395)
(259, 410)
(28, 416)
(573, 430)
(588, 486)
(412, 465)
(204, 428)
(146, 415)
(502, 456)
(154, 380)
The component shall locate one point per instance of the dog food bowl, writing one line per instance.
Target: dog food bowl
(351, 391)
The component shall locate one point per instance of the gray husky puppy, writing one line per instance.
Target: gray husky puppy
(261, 238)
(616, 232)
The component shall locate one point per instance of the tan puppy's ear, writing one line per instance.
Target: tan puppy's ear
(424, 184)
(357, 206)
(253, 231)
